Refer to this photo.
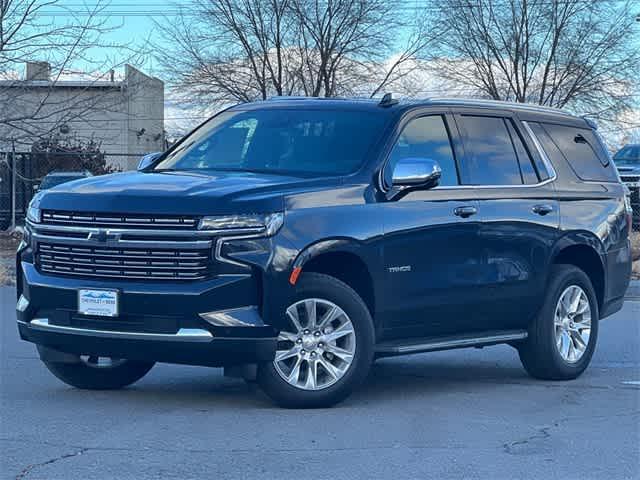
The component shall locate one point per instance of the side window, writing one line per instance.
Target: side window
(490, 155)
(529, 174)
(580, 147)
(425, 137)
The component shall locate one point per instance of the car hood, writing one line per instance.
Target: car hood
(179, 193)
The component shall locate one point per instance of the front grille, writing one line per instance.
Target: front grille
(106, 220)
(630, 179)
(124, 263)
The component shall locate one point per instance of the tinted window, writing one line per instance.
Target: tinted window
(548, 146)
(529, 174)
(629, 155)
(425, 137)
(294, 141)
(580, 147)
(490, 155)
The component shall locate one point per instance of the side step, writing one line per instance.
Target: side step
(433, 344)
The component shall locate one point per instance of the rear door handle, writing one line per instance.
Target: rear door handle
(465, 212)
(542, 209)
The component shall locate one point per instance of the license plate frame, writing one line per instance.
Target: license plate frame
(99, 302)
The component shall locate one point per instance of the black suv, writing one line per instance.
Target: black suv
(627, 159)
(294, 241)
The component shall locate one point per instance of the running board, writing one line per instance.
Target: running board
(433, 344)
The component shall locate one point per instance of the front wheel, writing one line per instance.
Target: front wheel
(326, 351)
(93, 372)
(563, 337)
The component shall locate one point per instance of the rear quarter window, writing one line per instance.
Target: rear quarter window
(583, 151)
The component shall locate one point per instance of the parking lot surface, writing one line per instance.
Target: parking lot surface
(458, 414)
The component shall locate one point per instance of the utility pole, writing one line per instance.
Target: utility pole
(13, 186)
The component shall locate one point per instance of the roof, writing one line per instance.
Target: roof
(405, 104)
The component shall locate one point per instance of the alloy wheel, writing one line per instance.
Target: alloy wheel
(572, 323)
(319, 347)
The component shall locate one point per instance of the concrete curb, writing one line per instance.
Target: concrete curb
(634, 290)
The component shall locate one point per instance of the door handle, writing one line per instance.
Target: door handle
(542, 209)
(465, 212)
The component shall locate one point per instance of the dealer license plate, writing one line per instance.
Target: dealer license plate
(101, 303)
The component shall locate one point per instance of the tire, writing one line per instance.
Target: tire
(540, 354)
(88, 377)
(326, 291)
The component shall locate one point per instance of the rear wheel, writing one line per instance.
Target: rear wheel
(327, 349)
(563, 337)
(94, 372)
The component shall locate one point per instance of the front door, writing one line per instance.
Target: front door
(430, 248)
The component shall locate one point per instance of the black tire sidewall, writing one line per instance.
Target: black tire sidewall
(564, 276)
(325, 287)
(83, 376)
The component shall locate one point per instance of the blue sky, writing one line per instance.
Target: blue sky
(133, 22)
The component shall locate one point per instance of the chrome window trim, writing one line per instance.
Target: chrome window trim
(545, 160)
(551, 171)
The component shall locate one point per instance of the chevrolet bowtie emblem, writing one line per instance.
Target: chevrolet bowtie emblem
(103, 236)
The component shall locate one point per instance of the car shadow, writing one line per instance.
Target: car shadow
(406, 378)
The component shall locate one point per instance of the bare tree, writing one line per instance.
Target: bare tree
(577, 54)
(59, 37)
(224, 51)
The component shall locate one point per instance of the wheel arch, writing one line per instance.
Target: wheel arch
(341, 258)
(584, 251)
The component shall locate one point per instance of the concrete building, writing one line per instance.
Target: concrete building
(125, 116)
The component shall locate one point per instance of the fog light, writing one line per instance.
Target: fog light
(22, 304)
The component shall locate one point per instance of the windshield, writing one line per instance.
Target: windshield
(288, 141)
(628, 156)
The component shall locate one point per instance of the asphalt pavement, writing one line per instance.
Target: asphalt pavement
(459, 414)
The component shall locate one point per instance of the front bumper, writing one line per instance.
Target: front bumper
(158, 321)
(187, 346)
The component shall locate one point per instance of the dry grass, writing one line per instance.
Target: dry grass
(635, 253)
(8, 246)
(635, 245)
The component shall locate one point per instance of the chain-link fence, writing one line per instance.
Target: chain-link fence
(635, 204)
(23, 174)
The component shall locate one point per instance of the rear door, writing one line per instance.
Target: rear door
(518, 213)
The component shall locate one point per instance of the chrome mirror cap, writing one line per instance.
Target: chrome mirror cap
(148, 160)
(416, 172)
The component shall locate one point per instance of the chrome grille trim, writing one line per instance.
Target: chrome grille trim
(122, 253)
(53, 217)
(135, 244)
(109, 262)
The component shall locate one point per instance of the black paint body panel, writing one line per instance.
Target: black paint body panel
(431, 272)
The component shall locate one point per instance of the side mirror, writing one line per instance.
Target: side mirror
(416, 172)
(148, 160)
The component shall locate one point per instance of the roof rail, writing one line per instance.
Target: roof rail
(275, 98)
(388, 100)
(502, 103)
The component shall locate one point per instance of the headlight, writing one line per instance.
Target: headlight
(33, 214)
(263, 224)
